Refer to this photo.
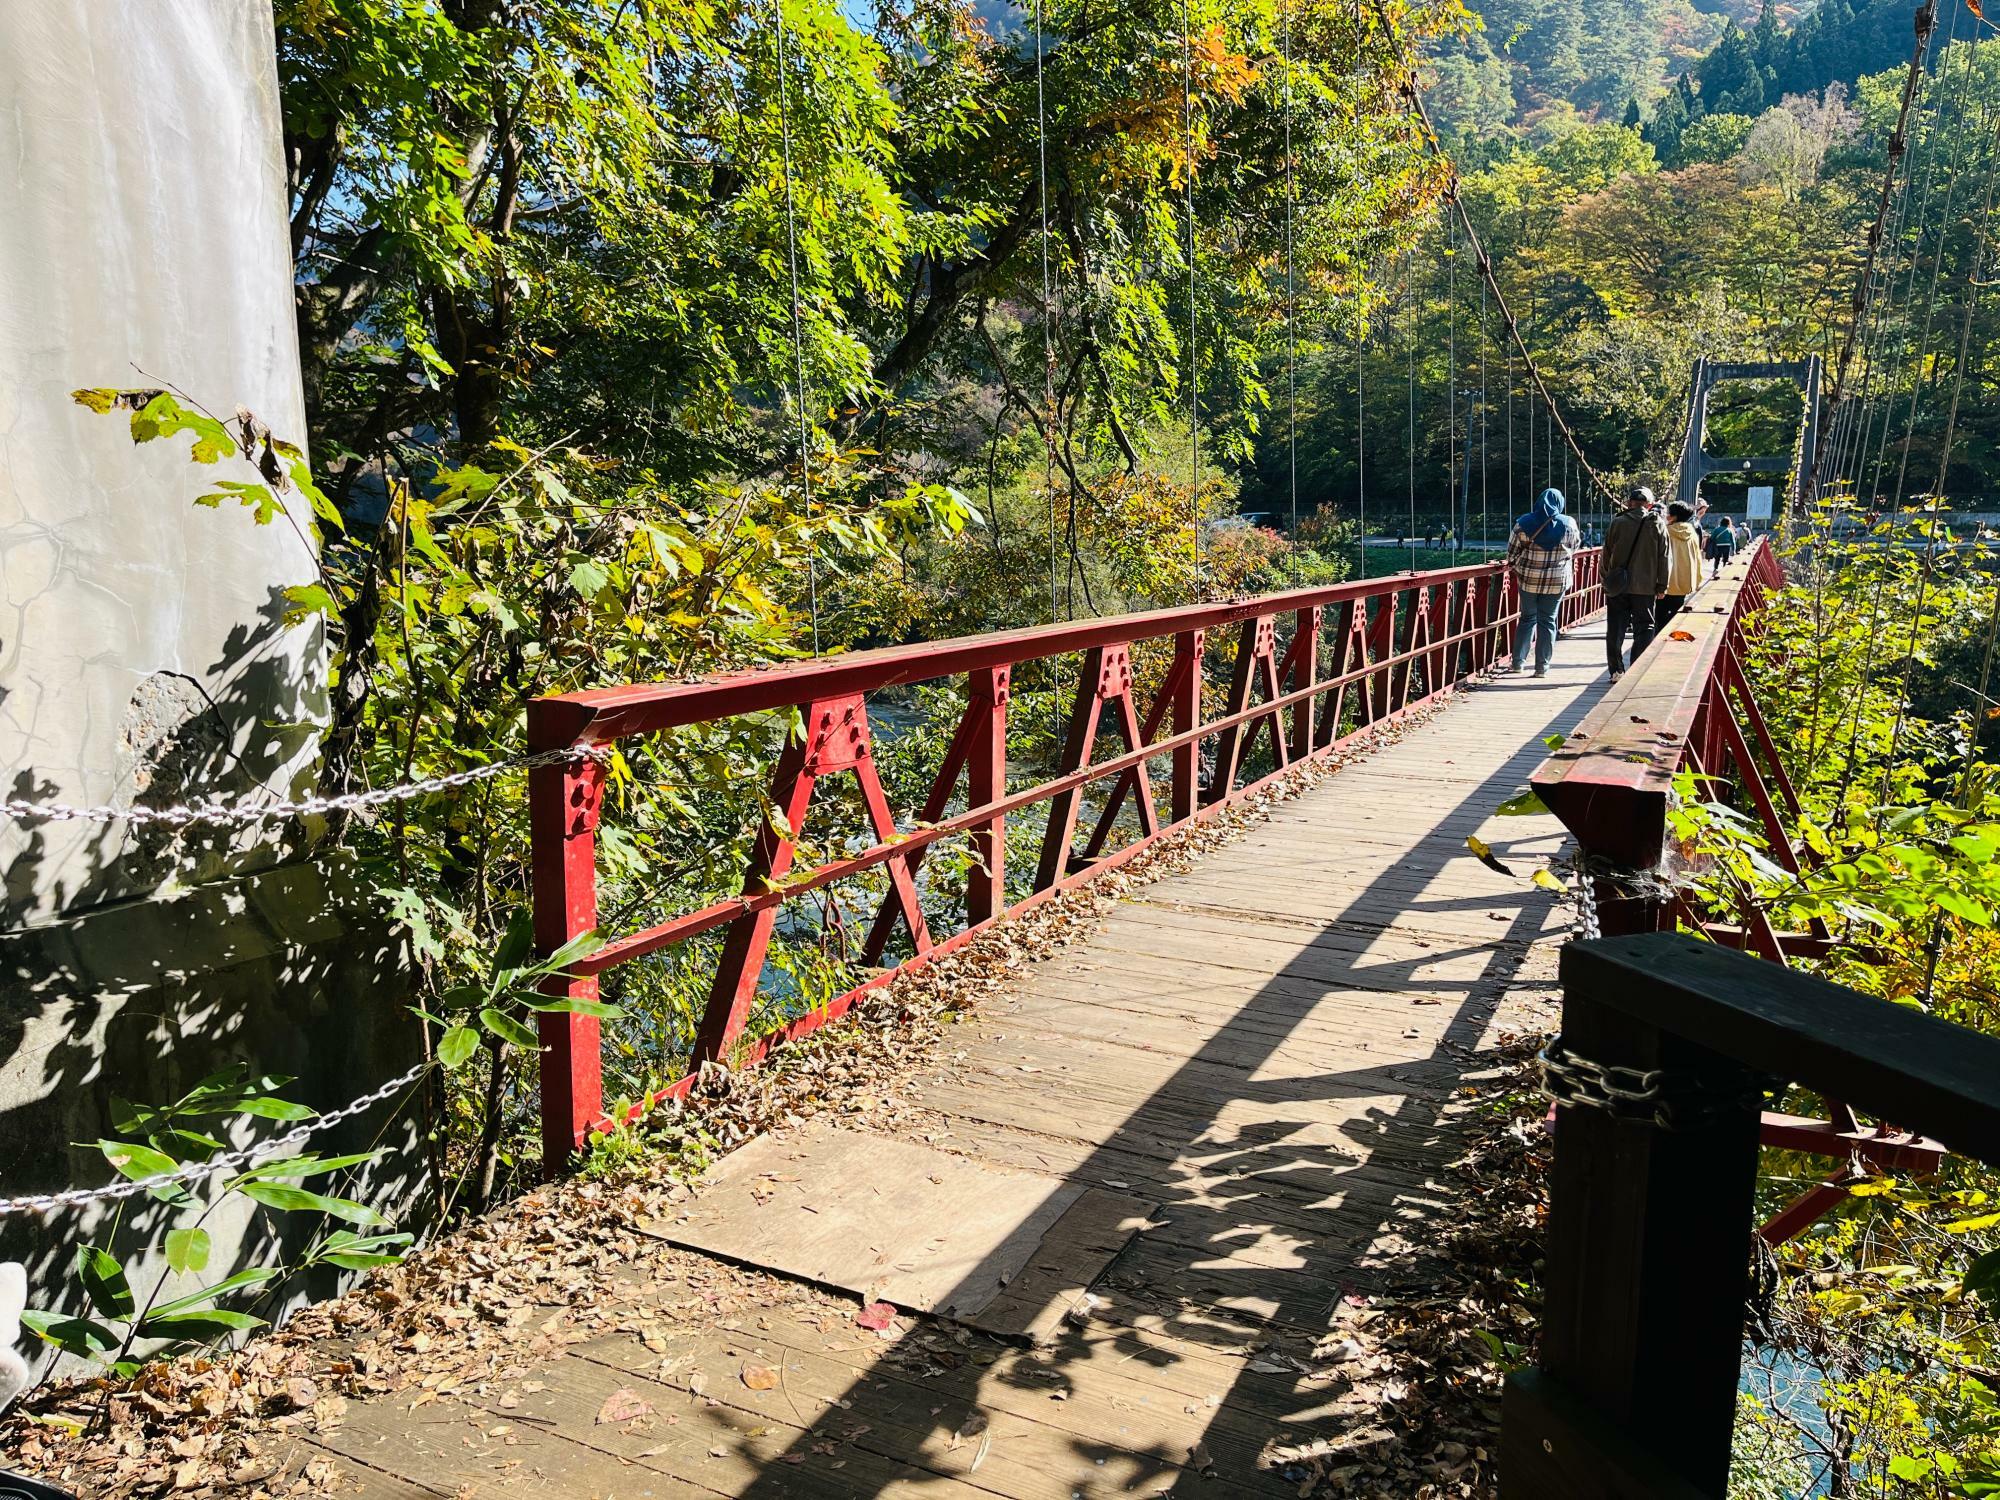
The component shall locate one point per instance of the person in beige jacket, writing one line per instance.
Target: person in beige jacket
(1683, 561)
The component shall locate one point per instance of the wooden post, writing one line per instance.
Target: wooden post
(1648, 1252)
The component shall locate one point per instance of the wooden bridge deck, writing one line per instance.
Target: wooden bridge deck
(1265, 1046)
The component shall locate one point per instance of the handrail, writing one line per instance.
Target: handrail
(1687, 705)
(601, 715)
(1646, 1274)
(1359, 655)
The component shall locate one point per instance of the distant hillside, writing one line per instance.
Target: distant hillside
(1539, 62)
(1836, 43)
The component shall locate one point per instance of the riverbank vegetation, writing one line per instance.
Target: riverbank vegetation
(1877, 1364)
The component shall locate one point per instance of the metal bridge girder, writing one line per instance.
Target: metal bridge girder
(1697, 463)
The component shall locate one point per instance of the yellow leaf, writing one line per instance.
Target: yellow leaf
(1484, 854)
(1973, 1225)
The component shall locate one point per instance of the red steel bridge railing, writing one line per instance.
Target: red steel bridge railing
(1309, 669)
(1688, 705)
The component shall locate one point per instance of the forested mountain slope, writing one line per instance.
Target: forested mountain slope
(1536, 65)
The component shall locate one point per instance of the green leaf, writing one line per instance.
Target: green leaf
(103, 1280)
(508, 1029)
(303, 601)
(187, 1249)
(298, 1200)
(293, 1168)
(518, 942)
(78, 1336)
(589, 578)
(1982, 1278)
(566, 1006)
(1908, 1466)
(356, 1252)
(456, 1045)
(581, 946)
(256, 1276)
(199, 1327)
(266, 1108)
(134, 1161)
(1521, 805)
(1963, 907)
(138, 1162)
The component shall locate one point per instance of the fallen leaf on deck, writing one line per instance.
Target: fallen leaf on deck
(623, 1406)
(760, 1377)
(876, 1315)
(1484, 854)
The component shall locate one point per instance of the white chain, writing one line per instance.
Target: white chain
(216, 812)
(202, 1171)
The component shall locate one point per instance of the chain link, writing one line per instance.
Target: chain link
(203, 1171)
(215, 812)
(1660, 1097)
(1584, 891)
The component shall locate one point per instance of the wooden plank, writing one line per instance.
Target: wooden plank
(682, 1443)
(335, 1474)
(471, 1454)
(923, 1229)
(1106, 1433)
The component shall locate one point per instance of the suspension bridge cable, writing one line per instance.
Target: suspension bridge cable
(1973, 283)
(1877, 294)
(1925, 22)
(1958, 135)
(1048, 314)
(1877, 291)
(1360, 373)
(1485, 451)
(1291, 286)
(1194, 354)
(1410, 341)
(1361, 434)
(1451, 389)
(798, 314)
(1931, 144)
(1407, 69)
(1911, 651)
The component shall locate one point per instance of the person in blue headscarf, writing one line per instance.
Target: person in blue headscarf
(1540, 550)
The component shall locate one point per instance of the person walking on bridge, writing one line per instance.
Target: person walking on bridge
(1540, 551)
(1635, 577)
(1721, 546)
(1683, 563)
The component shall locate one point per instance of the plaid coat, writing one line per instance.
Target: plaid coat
(1543, 570)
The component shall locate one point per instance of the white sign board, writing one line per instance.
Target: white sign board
(1759, 508)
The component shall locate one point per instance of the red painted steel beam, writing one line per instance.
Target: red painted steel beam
(1609, 782)
(601, 715)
